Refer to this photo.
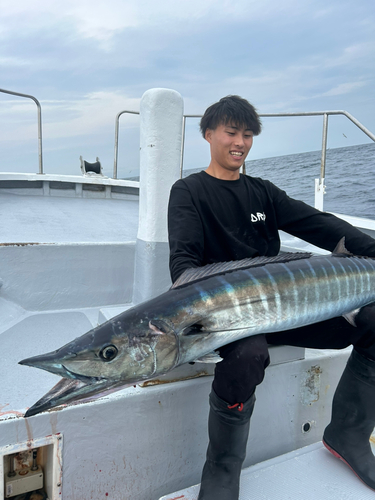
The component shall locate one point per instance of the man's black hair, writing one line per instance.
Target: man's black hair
(234, 110)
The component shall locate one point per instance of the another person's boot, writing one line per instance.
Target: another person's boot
(228, 431)
(353, 418)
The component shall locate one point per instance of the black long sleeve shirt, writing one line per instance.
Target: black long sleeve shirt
(214, 220)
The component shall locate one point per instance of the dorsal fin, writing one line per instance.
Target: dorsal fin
(198, 273)
(341, 249)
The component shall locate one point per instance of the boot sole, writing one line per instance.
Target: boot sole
(334, 453)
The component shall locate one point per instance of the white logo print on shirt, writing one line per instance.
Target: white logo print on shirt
(258, 217)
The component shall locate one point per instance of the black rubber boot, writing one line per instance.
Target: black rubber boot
(353, 418)
(228, 430)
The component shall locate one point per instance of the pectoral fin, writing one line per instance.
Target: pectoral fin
(211, 357)
(350, 317)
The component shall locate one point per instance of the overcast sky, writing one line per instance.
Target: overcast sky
(87, 60)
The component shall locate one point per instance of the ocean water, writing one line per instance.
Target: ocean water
(349, 179)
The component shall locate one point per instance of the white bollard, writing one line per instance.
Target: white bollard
(161, 114)
(320, 191)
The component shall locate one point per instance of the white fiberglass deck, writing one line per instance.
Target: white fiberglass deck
(39, 219)
(310, 473)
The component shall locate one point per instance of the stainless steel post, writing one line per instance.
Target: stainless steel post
(182, 146)
(39, 108)
(117, 127)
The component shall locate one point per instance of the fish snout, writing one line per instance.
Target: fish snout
(51, 362)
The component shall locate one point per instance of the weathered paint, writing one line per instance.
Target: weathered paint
(310, 385)
(50, 450)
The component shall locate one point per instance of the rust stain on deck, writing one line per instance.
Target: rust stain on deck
(158, 381)
(19, 244)
(310, 388)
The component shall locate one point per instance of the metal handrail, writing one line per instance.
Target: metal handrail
(319, 183)
(325, 115)
(39, 123)
(183, 140)
(117, 126)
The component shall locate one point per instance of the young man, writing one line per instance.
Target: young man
(221, 215)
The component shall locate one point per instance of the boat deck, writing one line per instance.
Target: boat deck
(52, 219)
(310, 473)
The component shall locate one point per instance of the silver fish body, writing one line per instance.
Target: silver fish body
(209, 309)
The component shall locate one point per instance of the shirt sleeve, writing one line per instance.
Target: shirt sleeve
(322, 229)
(186, 235)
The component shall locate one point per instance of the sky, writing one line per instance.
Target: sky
(86, 61)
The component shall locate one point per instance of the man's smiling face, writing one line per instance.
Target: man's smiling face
(230, 145)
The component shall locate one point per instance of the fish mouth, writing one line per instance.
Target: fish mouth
(69, 390)
(72, 387)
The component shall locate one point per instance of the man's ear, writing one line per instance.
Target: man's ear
(208, 135)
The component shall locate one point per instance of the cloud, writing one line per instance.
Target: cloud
(62, 119)
(17, 62)
(102, 19)
(87, 116)
(86, 61)
(344, 88)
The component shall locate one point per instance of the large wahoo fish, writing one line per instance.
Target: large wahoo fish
(205, 309)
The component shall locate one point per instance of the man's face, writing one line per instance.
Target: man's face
(230, 145)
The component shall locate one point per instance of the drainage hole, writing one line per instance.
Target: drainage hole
(306, 427)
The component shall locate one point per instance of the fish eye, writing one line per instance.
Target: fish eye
(108, 352)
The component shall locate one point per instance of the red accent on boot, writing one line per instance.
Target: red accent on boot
(337, 455)
(239, 406)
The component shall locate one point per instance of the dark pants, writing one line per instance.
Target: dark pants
(244, 361)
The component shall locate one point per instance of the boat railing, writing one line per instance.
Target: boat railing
(39, 108)
(319, 183)
(117, 128)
